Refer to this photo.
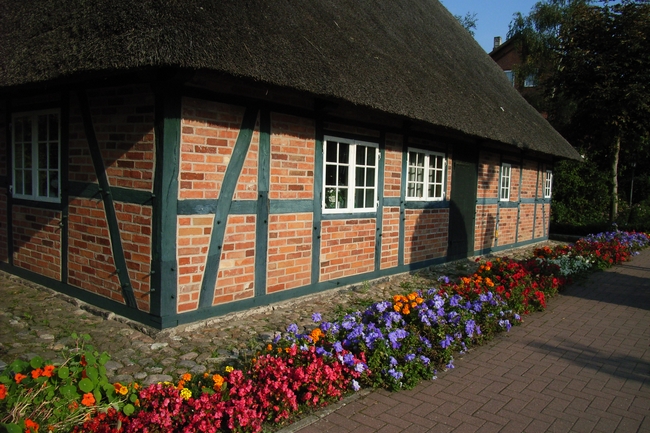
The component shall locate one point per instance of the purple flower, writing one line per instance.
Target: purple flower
(395, 336)
(397, 375)
(446, 342)
(451, 364)
(382, 306)
(292, 329)
(316, 317)
(325, 326)
(454, 301)
(470, 327)
(505, 324)
(372, 334)
(425, 341)
(355, 385)
(410, 357)
(338, 347)
(425, 360)
(392, 361)
(444, 279)
(360, 367)
(348, 359)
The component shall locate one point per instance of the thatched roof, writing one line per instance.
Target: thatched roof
(405, 57)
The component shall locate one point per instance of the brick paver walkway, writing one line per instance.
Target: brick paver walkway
(583, 365)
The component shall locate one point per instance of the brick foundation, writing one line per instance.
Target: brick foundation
(290, 251)
(347, 248)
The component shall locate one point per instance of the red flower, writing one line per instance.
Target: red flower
(19, 377)
(3, 391)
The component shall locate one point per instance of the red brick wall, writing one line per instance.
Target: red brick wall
(425, 234)
(123, 119)
(393, 165)
(193, 239)
(541, 222)
(37, 240)
(347, 248)
(507, 225)
(134, 222)
(486, 226)
(489, 171)
(209, 133)
(289, 251)
(236, 276)
(90, 258)
(529, 180)
(292, 157)
(390, 238)
(526, 218)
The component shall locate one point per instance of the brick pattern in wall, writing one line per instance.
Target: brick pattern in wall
(526, 218)
(193, 240)
(390, 238)
(37, 240)
(123, 120)
(90, 258)
(541, 221)
(529, 180)
(290, 251)
(489, 170)
(347, 248)
(134, 222)
(292, 157)
(208, 135)
(393, 166)
(486, 226)
(425, 234)
(236, 276)
(507, 226)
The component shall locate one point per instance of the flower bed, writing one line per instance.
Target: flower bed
(392, 344)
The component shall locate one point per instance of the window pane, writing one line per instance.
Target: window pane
(42, 155)
(18, 130)
(53, 162)
(18, 187)
(370, 177)
(54, 184)
(361, 155)
(343, 176)
(420, 175)
(419, 190)
(28, 183)
(331, 151)
(27, 156)
(370, 197)
(330, 175)
(411, 174)
(344, 153)
(18, 156)
(360, 176)
(358, 198)
(411, 190)
(371, 155)
(342, 198)
(42, 183)
(330, 198)
(27, 129)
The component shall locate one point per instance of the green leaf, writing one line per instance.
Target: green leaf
(133, 398)
(92, 373)
(17, 366)
(74, 335)
(86, 385)
(12, 428)
(63, 372)
(98, 395)
(36, 362)
(90, 358)
(104, 358)
(128, 409)
(69, 392)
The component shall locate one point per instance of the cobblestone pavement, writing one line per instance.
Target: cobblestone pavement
(38, 321)
(583, 365)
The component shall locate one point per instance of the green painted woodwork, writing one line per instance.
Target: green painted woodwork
(226, 194)
(109, 209)
(263, 203)
(317, 210)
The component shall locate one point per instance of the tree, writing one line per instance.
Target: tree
(593, 66)
(468, 21)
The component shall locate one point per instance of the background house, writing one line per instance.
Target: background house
(172, 161)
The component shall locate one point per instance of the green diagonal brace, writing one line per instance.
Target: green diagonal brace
(226, 194)
(109, 209)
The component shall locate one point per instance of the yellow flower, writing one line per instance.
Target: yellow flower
(123, 390)
(229, 369)
(186, 393)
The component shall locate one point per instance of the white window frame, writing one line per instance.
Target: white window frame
(505, 182)
(548, 184)
(347, 192)
(425, 182)
(51, 172)
(510, 75)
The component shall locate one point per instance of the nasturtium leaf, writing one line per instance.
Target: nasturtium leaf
(69, 392)
(92, 373)
(36, 362)
(104, 358)
(90, 358)
(98, 395)
(12, 428)
(128, 409)
(63, 372)
(17, 366)
(86, 385)
(133, 398)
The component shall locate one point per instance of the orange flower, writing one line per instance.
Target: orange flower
(269, 347)
(19, 377)
(37, 373)
(181, 384)
(3, 391)
(187, 377)
(316, 334)
(30, 426)
(48, 371)
(73, 406)
(88, 399)
(218, 381)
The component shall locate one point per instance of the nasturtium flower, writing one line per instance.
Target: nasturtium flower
(31, 426)
(19, 377)
(37, 373)
(3, 391)
(48, 370)
(88, 399)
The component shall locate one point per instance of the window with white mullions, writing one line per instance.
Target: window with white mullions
(548, 184)
(350, 175)
(36, 145)
(426, 174)
(504, 193)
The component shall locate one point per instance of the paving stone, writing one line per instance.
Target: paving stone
(155, 378)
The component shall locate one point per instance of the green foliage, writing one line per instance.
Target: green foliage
(57, 397)
(468, 21)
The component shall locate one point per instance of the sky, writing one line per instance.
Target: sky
(493, 16)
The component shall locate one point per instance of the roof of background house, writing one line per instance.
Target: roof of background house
(409, 58)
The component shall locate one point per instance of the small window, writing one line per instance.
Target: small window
(511, 76)
(504, 194)
(426, 175)
(548, 184)
(36, 146)
(530, 81)
(350, 175)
